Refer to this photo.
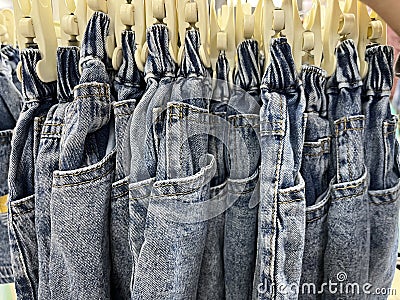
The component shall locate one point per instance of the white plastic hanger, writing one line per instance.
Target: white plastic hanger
(8, 21)
(222, 36)
(195, 15)
(73, 21)
(312, 43)
(3, 29)
(133, 17)
(372, 29)
(162, 11)
(339, 26)
(36, 22)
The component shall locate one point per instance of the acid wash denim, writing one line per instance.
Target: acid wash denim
(81, 193)
(211, 281)
(10, 107)
(129, 84)
(347, 217)
(38, 98)
(48, 159)
(315, 171)
(145, 127)
(282, 198)
(176, 227)
(381, 155)
(240, 238)
(12, 58)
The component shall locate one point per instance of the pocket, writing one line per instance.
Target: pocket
(240, 237)
(121, 257)
(384, 220)
(347, 248)
(23, 246)
(176, 229)
(79, 253)
(291, 226)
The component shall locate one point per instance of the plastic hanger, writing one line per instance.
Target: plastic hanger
(8, 19)
(3, 29)
(133, 17)
(36, 22)
(162, 11)
(312, 43)
(222, 36)
(73, 21)
(339, 26)
(195, 15)
(372, 29)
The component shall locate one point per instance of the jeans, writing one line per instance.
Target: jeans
(39, 97)
(48, 159)
(184, 172)
(240, 238)
(81, 194)
(129, 84)
(282, 198)
(382, 162)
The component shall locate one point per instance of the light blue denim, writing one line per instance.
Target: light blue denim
(38, 98)
(282, 195)
(129, 84)
(382, 161)
(48, 159)
(240, 238)
(80, 261)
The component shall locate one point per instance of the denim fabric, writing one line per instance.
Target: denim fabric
(347, 218)
(81, 194)
(6, 273)
(160, 71)
(48, 159)
(129, 85)
(211, 282)
(282, 206)
(12, 59)
(381, 155)
(39, 97)
(315, 171)
(241, 218)
(169, 262)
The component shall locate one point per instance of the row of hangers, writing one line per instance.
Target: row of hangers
(312, 40)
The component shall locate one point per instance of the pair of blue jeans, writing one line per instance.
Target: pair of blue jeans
(38, 99)
(282, 194)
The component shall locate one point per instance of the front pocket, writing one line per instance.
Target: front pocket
(174, 238)
(291, 226)
(79, 253)
(23, 246)
(384, 222)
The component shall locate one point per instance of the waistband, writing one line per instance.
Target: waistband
(314, 83)
(247, 74)
(159, 62)
(68, 72)
(32, 87)
(281, 75)
(221, 92)
(191, 62)
(379, 79)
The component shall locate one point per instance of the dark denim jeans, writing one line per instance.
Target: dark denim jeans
(39, 97)
(48, 159)
(282, 195)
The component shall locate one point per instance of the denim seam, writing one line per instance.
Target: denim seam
(178, 118)
(141, 197)
(90, 96)
(29, 198)
(349, 187)
(119, 115)
(242, 192)
(350, 196)
(383, 203)
(121, 184)
(316, 219)
(292, 191)
(292, 201)
(384, 194)
(349, 163)
(120, 195)
(84, 182)
(173, 184)
(24, 212)
(319, 154)
(178, 194)
(90, 170)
